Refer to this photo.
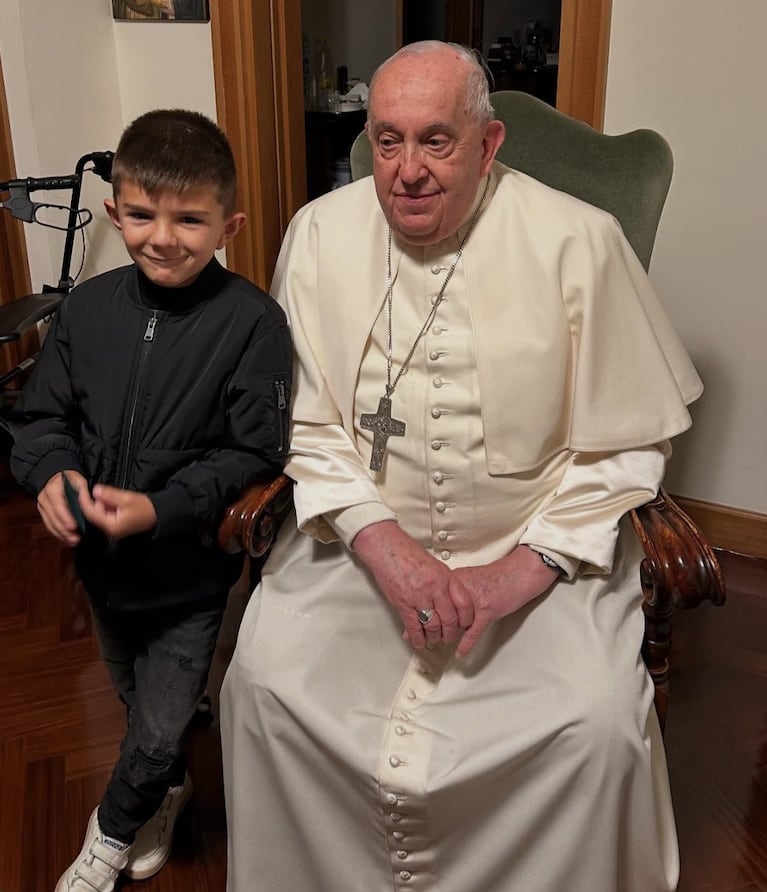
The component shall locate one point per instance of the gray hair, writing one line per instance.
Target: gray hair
(478, 105)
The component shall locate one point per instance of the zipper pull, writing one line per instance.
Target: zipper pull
(282, 403)
(149, 333)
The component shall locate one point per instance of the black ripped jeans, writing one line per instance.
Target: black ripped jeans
(158, 661)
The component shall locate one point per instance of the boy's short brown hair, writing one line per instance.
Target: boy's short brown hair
(176, 149)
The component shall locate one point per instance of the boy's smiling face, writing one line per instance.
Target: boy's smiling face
(172, 237)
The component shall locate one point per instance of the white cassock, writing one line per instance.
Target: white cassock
(537, 405)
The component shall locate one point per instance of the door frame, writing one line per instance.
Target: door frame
(14, 265)
(260, 105)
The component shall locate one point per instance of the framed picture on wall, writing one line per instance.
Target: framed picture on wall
(161, 10)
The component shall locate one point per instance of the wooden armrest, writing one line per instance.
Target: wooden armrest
(679, 569)
(251, 523)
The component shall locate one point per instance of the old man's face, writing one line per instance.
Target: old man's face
(429, 153)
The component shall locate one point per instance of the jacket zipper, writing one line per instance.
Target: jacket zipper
(125, 457)
(282, 405)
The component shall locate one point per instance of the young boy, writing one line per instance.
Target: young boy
(161, 392)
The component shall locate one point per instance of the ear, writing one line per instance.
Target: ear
(495, 133)
(112, 212)
(232, 225)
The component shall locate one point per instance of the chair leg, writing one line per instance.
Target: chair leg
(656, 650)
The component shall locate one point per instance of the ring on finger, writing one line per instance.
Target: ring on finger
(425, 615)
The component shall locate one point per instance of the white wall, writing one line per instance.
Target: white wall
(695, 71)
(74, 78)
(64, 101)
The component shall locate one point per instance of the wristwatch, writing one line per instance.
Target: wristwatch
(550, 562)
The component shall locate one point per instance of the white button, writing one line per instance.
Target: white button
(401, 854)
(436, 269)
(436, 413)
(405, 875)
(404, 716)
(398, 835)
(396, 817)
(436, 445)
(394, 761)
(435, 299)
(445, 555)
(435, 354)
(440, 506)
(438, 382)
(438, 477)
(400, 730)
(437, 330)
(391, 799)
(411, 694)
(442, 535)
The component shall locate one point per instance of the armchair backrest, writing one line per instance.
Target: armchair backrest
(628, 174)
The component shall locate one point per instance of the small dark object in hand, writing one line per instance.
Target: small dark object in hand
(73, 501)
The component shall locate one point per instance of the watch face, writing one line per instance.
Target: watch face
(550, 562)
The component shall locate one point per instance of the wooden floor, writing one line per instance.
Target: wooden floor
(60, 725)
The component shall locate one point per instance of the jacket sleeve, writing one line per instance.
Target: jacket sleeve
(255, 447)
(45, 421)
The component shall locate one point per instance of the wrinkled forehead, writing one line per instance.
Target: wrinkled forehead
(428, 87)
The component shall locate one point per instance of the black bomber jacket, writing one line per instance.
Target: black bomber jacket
(182, 394)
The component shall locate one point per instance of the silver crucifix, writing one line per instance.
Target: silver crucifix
(383, 427)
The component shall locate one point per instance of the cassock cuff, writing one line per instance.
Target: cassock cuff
(347, 522)
(568, 565)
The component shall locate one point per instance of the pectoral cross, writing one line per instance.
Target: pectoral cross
(383, 427)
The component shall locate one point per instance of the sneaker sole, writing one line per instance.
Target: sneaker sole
(150, 870)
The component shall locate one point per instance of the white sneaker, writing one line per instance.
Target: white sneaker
(99, 863)
(151, 848)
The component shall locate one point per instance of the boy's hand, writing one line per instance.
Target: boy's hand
(118, 512)
(54, 509)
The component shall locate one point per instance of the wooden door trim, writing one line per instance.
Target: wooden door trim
(583, 51)
(257, 63)
(14, 266)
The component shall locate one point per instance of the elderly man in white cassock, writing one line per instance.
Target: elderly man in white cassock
(438, 683)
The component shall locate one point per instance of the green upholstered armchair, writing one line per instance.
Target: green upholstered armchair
(629, 176)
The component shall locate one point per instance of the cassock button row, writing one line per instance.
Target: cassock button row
(436, 445)
(445, 555)
(437, 330)
(402, 854)
(436, 413)
(396, 817)
(438, 382)
(438, 477)
(435, 354)
(434, 299)
(391, 799)
(411, 694)
(437, 269)
(399, 730)
(441, 507)
(395, 761)
(442, 535)
(398, 835)
(405, 875)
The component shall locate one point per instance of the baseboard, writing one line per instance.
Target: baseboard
(731, 529)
